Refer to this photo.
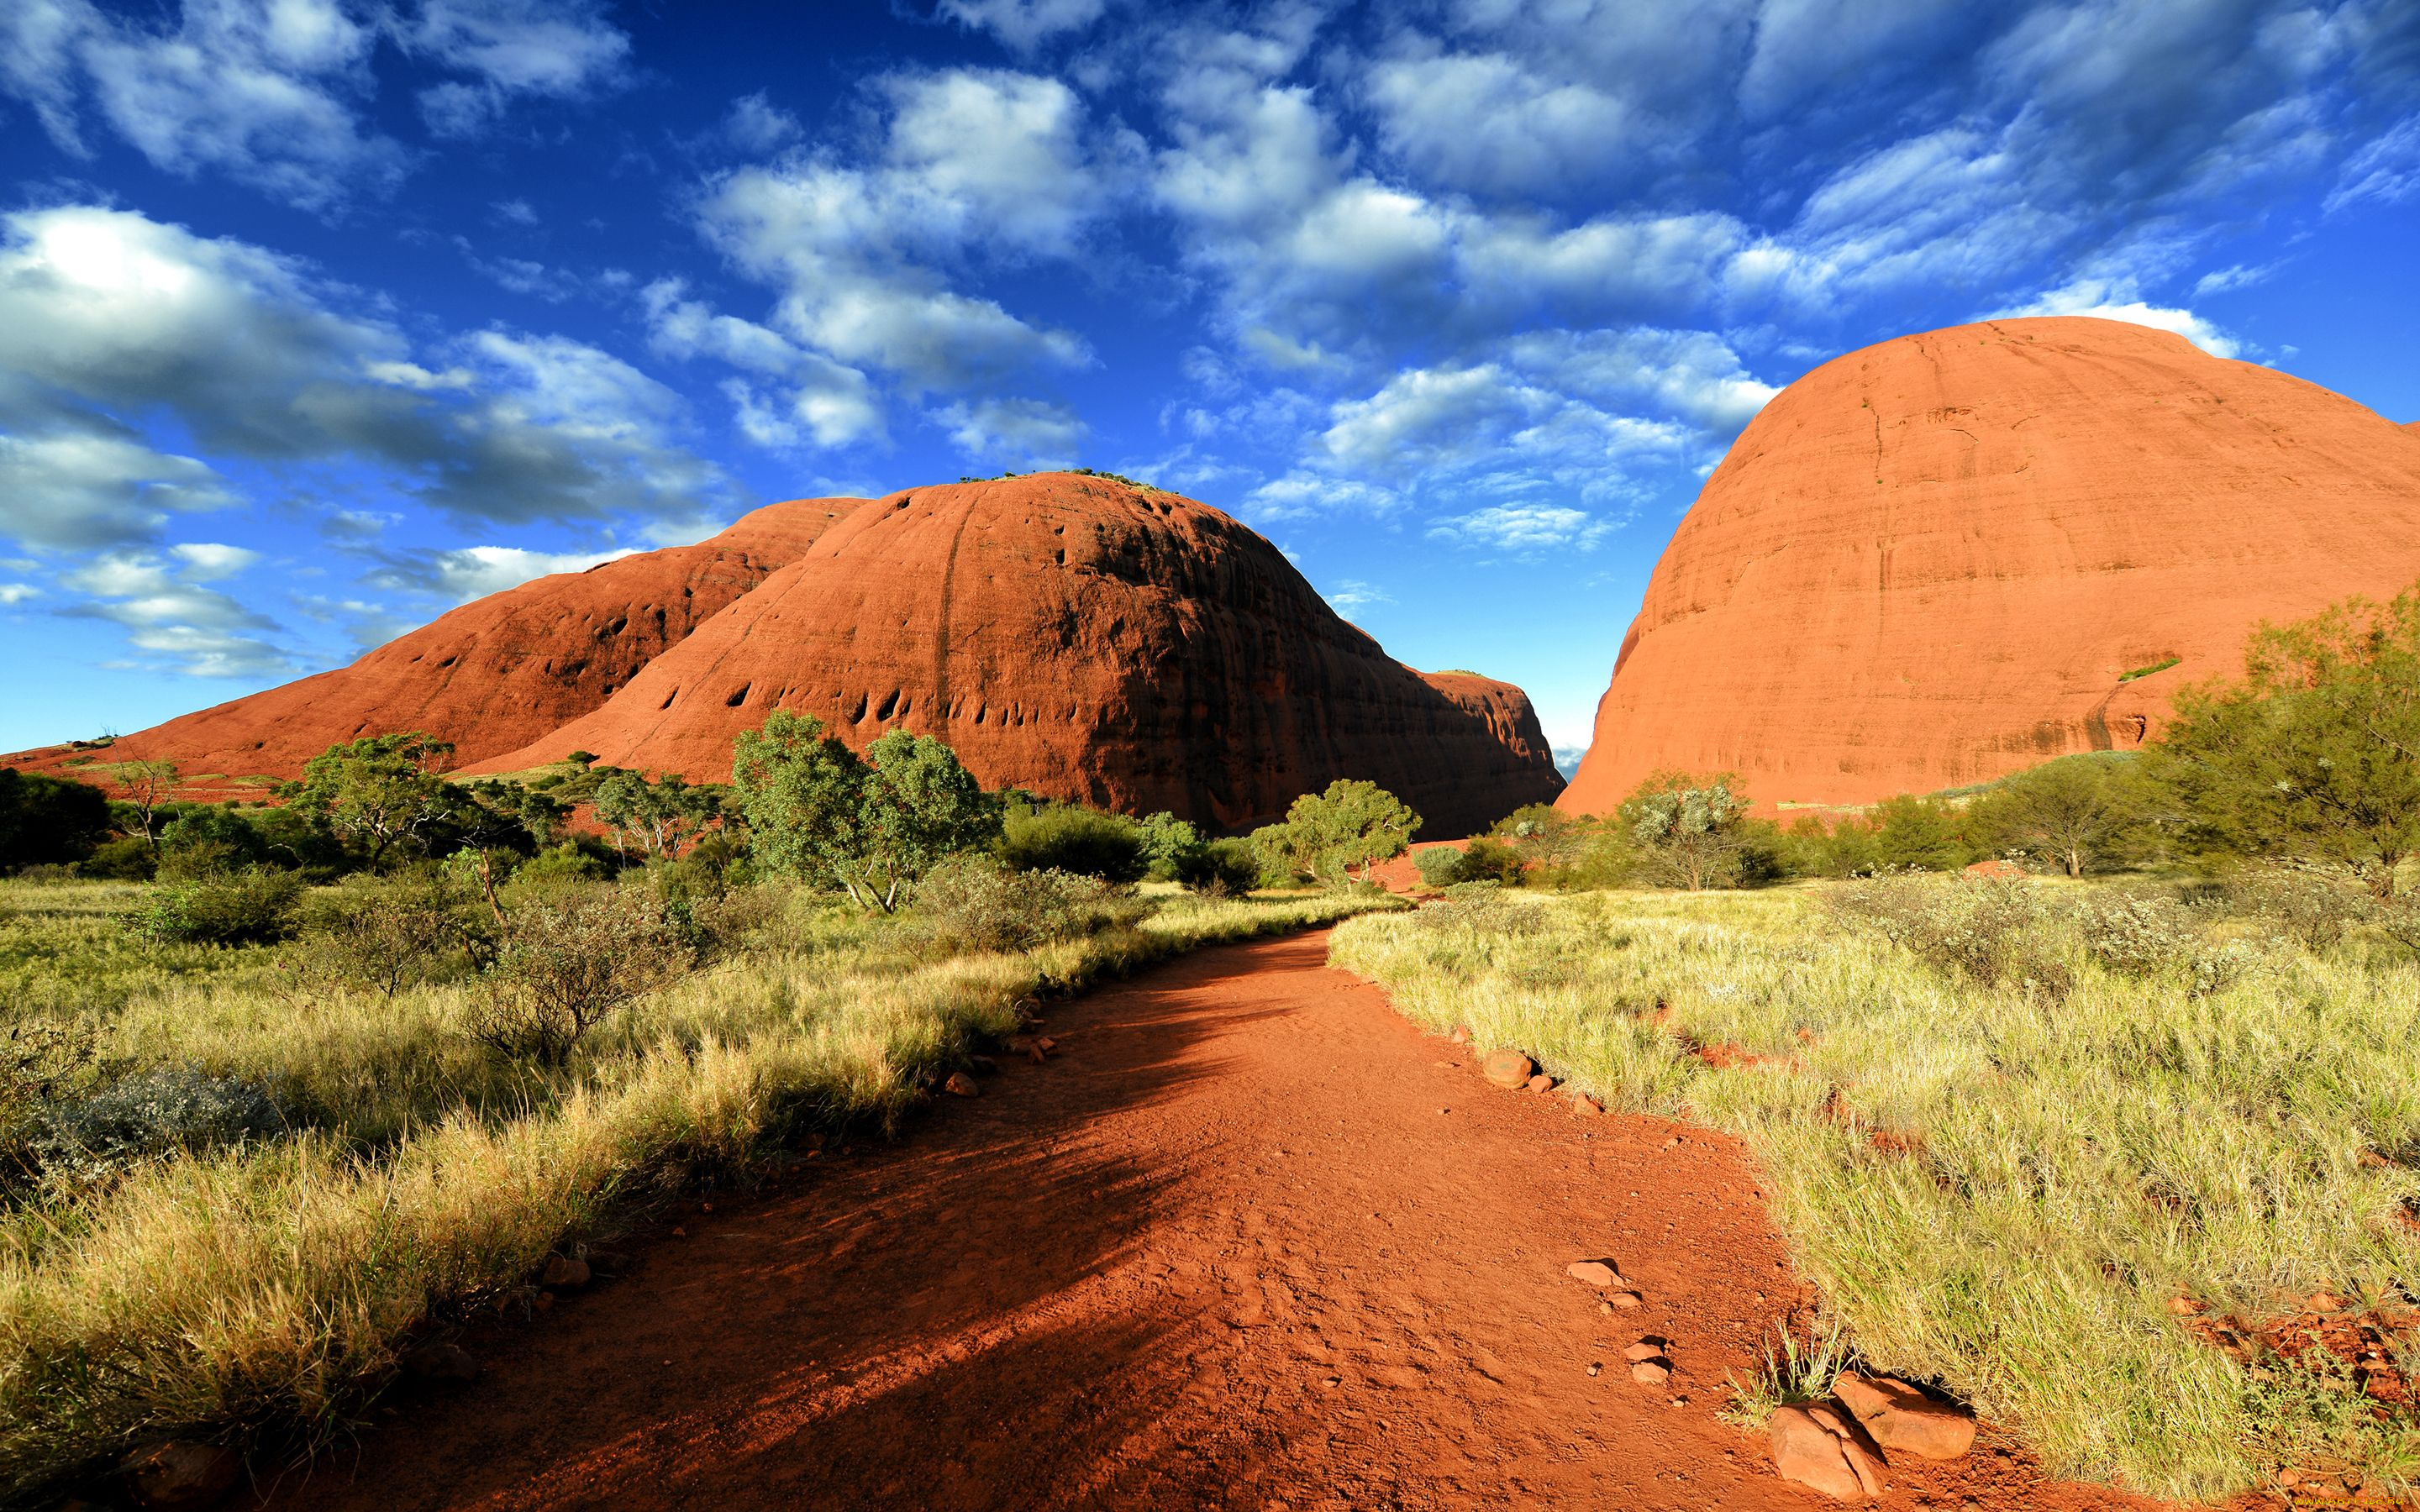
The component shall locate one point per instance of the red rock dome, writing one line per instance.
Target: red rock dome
(504, 670)
(1084, 638)
(1954, 555)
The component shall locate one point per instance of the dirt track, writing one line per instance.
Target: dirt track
(1249, 1240)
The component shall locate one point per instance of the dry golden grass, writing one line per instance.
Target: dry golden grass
(2064, 1163)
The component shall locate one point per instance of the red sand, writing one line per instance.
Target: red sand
(1229, 1248)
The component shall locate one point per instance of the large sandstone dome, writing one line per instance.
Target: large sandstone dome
(1954, 555)
(1086, 640)
(500, 671)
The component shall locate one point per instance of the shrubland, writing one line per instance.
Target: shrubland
(2010, 1129)
(324, 1076)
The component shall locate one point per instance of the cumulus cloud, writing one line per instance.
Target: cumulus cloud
(509, 50)
(831, 402)
(474, 572)
(973, 162)
(1523, 528)
(1024, 24)
(2093, 298)
(1352, 594)
(1491, 123)
(276, 94)
(1032, 430)
(190, 628)
(110, 321)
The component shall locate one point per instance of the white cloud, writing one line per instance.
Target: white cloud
(12, 594)
(109, 319)
(1303, 494)
(2387, 169)
(474, 572)
(1352, 594)
(537, 49)
(834, 403)
(2093, 298)
(755, 124)
(1023, 24)
(1033, 430)
(1523, 528)
(1490, 123)
(974, 161)
(197, 631)
(206, 561)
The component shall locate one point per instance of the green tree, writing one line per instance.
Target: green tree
(1690, 832)
(1327, 834)
(1065, 837)
(869, 826)
(2316, 753)
(381, 792)
(45, 820)
(663, 814)
(2080, 813)
(1543, 833)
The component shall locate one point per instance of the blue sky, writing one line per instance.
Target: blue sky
(318, 318)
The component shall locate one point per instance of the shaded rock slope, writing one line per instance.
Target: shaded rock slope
(1954, 555)
(1084, 638)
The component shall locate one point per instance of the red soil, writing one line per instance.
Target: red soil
(1933, 562)
(1086, 640)
(496, 672)
(1250, 1238)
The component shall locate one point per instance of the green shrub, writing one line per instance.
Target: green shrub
(2313, 909)
(46, 821)
(972, 903)
(1493, 860)
(423, 925)
(255, 906)
(571, 956)
(1439, 866)
(209, 841)
(566, 865)
(127, 859)
(1913, 834)
(1220, 868)
(1844, 848)
(1066, 838)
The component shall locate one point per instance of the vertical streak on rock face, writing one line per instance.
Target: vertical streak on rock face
(1936, 561)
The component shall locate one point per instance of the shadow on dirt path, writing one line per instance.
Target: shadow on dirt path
(1248, 1240)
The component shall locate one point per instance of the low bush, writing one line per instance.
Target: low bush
(127, 859)
(423, 925)
(1440, 865)
(2309, 907)
(972, 903)
(1987, 931)
(146, 1116)
(1085, 841)
(568, 959)
(255, 906)
(1220, 868)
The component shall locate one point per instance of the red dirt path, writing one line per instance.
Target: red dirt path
(1226, 1249)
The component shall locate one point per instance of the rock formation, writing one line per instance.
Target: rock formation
(500, 671)
(1086, 640)
(1954, 555)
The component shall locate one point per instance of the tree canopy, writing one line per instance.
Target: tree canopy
(870, 825)
(1325, 835)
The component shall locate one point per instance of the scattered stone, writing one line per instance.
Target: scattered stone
(1595, 1367)
(961, 1085)
(1508, 1068)
(1604, 1306)
(1624, 1299)
(1033, 1052)
(678, 1232)
(1586, 1105)
(985, 1063)
(1596, 1272)
(1460, 1035)
(1651, 1372)
(2324, 1302)
(180, 1473)
(1333, 1381)
(543, 1301)
(1902, 1417)
(1542, 1083)
(563, 1273)
(1647, 1348)
(2185, 1306)
(1047, 1044)
(440, 1361)
(1811, 1446)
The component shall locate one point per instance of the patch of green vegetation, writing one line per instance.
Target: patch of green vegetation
(2160, 666)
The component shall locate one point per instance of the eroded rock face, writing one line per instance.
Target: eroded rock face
(501, 671)
(1086, 640)
(1938, 560)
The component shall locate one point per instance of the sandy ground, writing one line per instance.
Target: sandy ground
(1248, 1240)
